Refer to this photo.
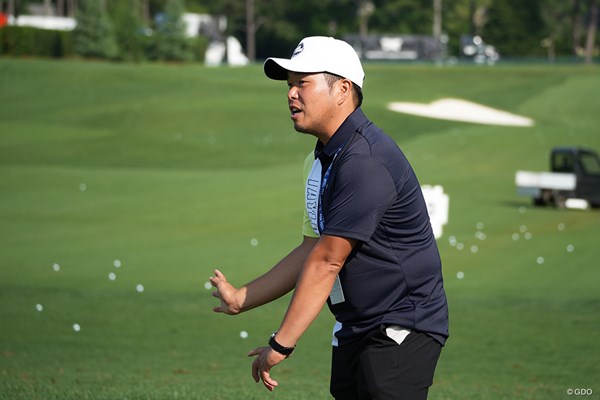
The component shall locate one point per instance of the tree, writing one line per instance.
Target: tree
(402, 16)
(170, 40)
(94, 34)
(464, 17)
(591, 32)
(515, 27)
(557, 18)
(250, 30)
(127, 17)
(71, 8)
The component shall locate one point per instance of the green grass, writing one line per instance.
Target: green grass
(184, 165)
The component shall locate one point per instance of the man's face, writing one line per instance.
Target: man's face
(311, 102)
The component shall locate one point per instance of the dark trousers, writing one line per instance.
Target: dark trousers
(377, 368)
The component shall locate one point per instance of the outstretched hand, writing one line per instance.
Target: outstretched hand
(226, 293)
(261, 366)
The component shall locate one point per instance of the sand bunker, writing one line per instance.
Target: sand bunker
(461, 110)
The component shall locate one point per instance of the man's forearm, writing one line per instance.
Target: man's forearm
(313, 287)
(278, 281)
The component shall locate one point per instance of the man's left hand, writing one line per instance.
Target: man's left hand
(261, 366)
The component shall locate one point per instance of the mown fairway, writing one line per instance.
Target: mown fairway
(176, 170)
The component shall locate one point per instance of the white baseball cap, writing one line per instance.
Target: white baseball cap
(318, 54)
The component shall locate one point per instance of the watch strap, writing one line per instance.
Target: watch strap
(286, 351)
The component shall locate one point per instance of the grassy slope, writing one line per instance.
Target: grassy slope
(183, 166)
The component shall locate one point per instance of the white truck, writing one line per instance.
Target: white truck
(574, 180)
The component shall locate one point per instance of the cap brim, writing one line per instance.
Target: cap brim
(278, 68)
(275, 69)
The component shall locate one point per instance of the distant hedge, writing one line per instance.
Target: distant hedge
(26, 41)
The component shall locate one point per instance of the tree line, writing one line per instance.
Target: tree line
(532, 28)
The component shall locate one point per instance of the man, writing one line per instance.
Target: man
(368, 247)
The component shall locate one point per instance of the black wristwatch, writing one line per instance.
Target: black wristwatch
(286, 351)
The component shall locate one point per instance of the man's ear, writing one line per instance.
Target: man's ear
(345, 90)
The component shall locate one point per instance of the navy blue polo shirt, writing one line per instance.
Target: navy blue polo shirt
(394, 274)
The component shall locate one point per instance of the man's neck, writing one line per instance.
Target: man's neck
(324, 137)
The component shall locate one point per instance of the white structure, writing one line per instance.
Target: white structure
(438, 204)
(44, 22)
(215, 53)
(235, 53)
(218, 51)
(197, 23)
(229, 51)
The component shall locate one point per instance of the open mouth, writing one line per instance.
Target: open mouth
(295, 112)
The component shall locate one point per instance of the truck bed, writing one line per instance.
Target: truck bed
(531, 183)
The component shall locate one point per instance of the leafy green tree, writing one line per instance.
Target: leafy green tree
(464, 17)
(515, 28)
(558, 26)
(129, 30)
(402, 16)
(94, 35)
(170, 41)
(280, 24)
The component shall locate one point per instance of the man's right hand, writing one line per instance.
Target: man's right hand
(226, 293)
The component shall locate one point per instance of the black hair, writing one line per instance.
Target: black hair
(358, 94)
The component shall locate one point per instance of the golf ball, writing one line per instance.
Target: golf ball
(112, 276)
(76, 327)
(39, 307)
(139, 288)
(540, 260)
(207, 285)
(117, 263)
(243, 334)
(452, 241)
(82, 187)
(254, 242)
(460, 275)
(570, 248)
(56, 267)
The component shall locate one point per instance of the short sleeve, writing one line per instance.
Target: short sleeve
(362, 191)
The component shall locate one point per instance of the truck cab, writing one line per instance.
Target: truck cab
(585, 165)
(573, 180)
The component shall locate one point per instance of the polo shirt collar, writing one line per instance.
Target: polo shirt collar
(326, 152)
